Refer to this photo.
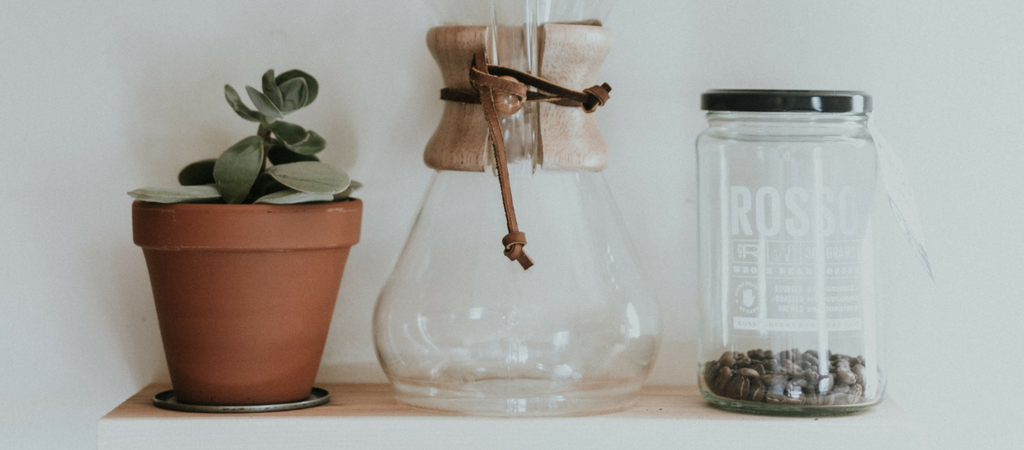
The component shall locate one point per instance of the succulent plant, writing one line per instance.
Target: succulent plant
(278, 165)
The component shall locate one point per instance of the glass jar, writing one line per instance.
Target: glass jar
(789, 321)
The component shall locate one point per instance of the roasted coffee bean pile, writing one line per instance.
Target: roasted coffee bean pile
(789, 378)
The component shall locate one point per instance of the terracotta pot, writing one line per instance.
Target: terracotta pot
(244, 293)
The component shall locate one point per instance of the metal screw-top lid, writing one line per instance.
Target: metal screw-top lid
(756, 100)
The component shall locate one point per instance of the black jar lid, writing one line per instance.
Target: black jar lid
(757, 100)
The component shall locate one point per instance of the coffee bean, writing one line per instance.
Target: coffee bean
(759, 368)
(788, 367)
(724, 375)
(841, 388)
(710, 371)
(812, 400)
(774, 398)
(737, 387)
(727, 359)
(794, 401)
(755, 354)
(846, 376)
(748, 372)
(773, 378)
(843, 365)
(828, 400)
(856, 391)
(812, 377)
(758, 394)
(757, 390)
(858, 370)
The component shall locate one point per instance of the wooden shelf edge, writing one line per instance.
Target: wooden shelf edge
(367, 416)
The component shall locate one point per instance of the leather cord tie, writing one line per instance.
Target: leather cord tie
(505, 88)
(498, 77)
(515, 240)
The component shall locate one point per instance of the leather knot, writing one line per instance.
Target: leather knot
(596, 96)
(514, 243)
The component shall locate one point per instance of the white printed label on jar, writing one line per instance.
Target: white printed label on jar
(794, 268)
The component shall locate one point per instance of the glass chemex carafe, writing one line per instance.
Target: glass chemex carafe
(458, 325)
(789, 323)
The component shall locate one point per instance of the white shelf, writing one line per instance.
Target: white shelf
(366, 416)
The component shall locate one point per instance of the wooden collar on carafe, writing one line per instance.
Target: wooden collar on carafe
(502, 91)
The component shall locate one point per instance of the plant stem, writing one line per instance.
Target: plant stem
(264, 133)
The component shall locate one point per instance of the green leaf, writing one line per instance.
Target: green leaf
(289, 133)
(312, 145)
(236, 104)
(312, 86)
(291, 196)
(279, 154)
(310, 176)
(353, 186)
(238, 167)
(263, 103)
(177, 194)
(271, 90)
(298, 139)
(199, 172)
(295, 93)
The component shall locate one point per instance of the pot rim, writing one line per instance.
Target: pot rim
(220, 227)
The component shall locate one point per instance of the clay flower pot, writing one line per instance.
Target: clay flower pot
(244, 293)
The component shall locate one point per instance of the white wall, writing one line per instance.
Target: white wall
(99, 98)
